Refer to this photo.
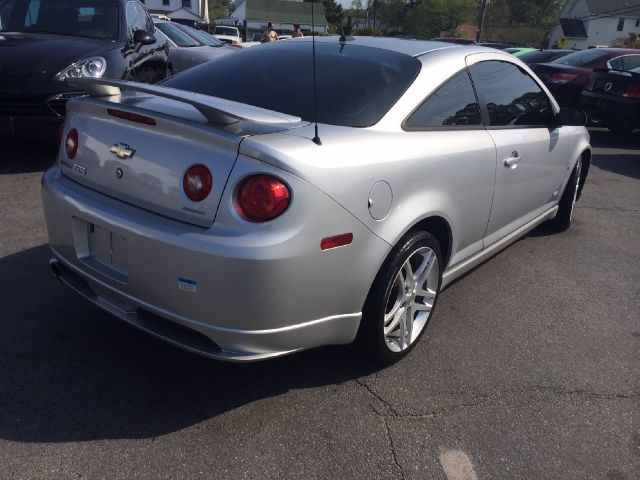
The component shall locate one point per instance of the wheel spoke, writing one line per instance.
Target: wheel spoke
(403, 329)
(421, 307)
(425, 266)
(409, 271)
(395, 320)
(391, 315)
(406, 339)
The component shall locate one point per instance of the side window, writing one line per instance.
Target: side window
(31, 17)
(626, 62)
(454, 104)
(149, 26)
(134, 20)
(510, 95)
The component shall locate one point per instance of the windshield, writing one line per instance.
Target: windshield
(226, 31)
(78, 18)
(202, 37)
(580, 59)
(178, 37)
(356, 85)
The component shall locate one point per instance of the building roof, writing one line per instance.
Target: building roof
(281, 11)
(615, 8)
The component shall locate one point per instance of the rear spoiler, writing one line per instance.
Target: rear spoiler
(215, 110)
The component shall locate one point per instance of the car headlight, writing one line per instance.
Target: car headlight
(93, 67)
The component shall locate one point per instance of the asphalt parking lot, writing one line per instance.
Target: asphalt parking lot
(530, 368)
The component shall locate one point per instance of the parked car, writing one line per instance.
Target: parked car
(227, 34)
(543, 56)
(250, 231)
(566, 76)
(611, 98)
(207, 39)
(45, 42)
(186, 50)
(519, 51)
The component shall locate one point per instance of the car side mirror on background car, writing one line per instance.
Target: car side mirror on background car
(571, 117)
(142, 37)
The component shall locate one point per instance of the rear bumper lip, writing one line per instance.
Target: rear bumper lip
(261, 344)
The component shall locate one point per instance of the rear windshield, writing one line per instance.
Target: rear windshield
(76, 18)
(179, 37)
(542, 57)
(582, 58)
(356, 85)
(226, 31)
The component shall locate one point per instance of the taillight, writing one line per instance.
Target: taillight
(262, 198)
(590, 84)
(561, 78)
(132, 117)
(197, 182)
(631, 91)
(71, 143)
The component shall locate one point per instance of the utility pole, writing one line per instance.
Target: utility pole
(483, 10)
(375, 3)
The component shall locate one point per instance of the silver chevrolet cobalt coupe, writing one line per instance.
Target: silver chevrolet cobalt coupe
(208, 212)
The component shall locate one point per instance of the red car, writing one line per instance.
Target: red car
(565, 77)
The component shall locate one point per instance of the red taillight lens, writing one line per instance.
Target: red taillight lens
(132, 117)
(197, 182)
(561, 77)
(590, 84)
(71, 143)
(263, 197)
(632, 91)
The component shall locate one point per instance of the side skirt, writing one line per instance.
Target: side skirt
(463, 267)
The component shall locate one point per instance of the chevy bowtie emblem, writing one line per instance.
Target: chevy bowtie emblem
(122, 150)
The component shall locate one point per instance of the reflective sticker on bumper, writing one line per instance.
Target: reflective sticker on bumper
(187, 285)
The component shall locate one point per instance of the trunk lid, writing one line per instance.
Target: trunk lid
(143, 164)
(614, 82)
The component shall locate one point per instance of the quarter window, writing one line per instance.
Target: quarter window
(510, 96)
(453, 105)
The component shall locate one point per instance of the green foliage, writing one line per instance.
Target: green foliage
(369, 32)
(220, 9)
(530, 36)
(394, 13)
(526, 12)
(431, 17)
(333, 12)
(632, 41)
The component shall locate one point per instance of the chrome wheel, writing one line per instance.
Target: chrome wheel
(411, 299)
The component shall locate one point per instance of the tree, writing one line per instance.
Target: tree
(394, 13)
(219, 9)
(431, 17)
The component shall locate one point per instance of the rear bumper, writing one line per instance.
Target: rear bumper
(258, 295)
(607, 109)
(250, 345)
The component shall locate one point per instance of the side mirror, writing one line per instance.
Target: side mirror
(142, 37)
(571, 117)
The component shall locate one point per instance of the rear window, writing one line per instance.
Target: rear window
(356, 85)
(542, 57)
(582, 58)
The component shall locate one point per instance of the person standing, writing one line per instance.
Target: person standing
(297, 33)
(270, 35)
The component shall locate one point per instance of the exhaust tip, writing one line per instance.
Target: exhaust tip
(55, 267)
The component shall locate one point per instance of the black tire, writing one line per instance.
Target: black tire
(371, 337)
(567, 201)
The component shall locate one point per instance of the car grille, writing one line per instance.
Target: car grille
(35, 105)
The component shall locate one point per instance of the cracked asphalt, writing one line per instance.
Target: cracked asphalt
(529, 368)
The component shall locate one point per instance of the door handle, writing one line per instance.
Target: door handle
(512, 161)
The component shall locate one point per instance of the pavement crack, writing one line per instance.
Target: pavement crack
(615, 209)
(392, 447)
(378, 397)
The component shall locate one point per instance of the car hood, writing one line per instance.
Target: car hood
(26, 58)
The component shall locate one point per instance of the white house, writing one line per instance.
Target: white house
(195, 10)
(586, 23)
